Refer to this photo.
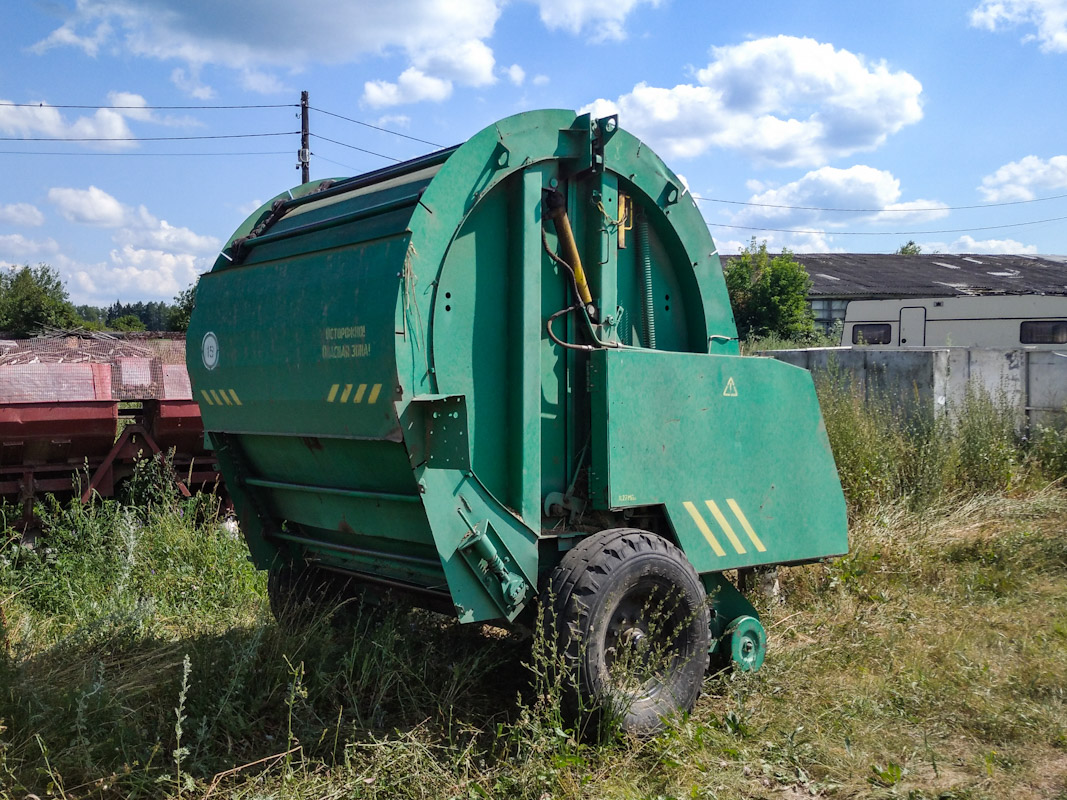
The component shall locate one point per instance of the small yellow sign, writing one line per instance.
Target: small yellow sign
(731, 389)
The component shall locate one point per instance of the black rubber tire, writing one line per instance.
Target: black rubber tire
(625, 598)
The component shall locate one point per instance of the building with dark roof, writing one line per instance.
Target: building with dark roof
(838, 278)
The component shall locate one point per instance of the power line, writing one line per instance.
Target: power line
(141, 138)
(375, 127)
(886, 233)
(879, 210)
(84, 153)
(335, 163)
(148, 108)
(353, 147)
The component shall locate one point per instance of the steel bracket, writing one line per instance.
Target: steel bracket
(493, 566)
(445, 443)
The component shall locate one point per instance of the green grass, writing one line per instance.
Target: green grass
(138, 659)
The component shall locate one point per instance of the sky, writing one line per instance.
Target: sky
(136, 135)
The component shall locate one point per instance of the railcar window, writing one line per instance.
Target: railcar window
(881, 333)
(1043, 332)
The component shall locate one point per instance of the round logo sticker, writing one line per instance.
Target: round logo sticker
(209, 350)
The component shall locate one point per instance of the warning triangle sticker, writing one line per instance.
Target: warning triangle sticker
(731, 389)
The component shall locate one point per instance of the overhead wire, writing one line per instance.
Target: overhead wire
(149, 108)
(335, 163)
(86, 153)
(375, 127)
(886, 233)
(398, 134)
(353, 147)
(879, 210)
(142, 138)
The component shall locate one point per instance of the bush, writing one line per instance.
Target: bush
(769, 295)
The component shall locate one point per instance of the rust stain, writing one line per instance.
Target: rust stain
(311, 443)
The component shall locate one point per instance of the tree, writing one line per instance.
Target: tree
(909, 248)
(769, 295)
(129, 322)
(32, 297)
(178, 318)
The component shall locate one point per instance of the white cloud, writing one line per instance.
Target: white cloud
(45, 121)
(90, 206)
(137, 226)
(394, 121)
(41, 120)
(65, 36)
(189, 82)
(21, 214)
(469, 62)
(153, 258)
(864, 195)
(1049, 17)
(17, 249)
(142, 273)
(540, 80)
(246, 209)
(813, 241)
(601, 19)
(781, 100)
(135, 107)
(968, 244)
(515, 74)
(441, 39)
(161, 235)
(1022, 179)
(255, 80)
(412, 86)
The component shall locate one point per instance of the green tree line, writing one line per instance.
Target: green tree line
(34, 298)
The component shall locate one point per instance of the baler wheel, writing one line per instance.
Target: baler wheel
(628, 616)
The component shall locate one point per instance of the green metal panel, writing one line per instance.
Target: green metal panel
(734, 448)
(372, 362)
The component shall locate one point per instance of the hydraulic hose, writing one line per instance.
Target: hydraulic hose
(556, 210)
(646, 280)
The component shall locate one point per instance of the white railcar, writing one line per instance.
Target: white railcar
(1032, 321)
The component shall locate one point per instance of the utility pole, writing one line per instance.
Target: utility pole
(304, 156)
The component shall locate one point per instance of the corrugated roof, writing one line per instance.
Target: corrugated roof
(937, 275)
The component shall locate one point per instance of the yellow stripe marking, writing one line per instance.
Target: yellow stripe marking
(215, 397)
(715, 512)
(236, 399)
(360, 392)
(225, 397)
(374, 394)
(346, 393)
(704, 529)
(744, 524)
(207, 397)
(333, 392)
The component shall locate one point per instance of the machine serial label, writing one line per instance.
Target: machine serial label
(345, 342)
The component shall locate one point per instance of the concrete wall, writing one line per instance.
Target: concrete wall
(935, 380)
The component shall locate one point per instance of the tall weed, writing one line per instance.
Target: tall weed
(888, 450)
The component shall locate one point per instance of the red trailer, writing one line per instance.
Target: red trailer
(76, 414)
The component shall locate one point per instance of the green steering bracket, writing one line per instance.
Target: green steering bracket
(748, 643)
(736, 632)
